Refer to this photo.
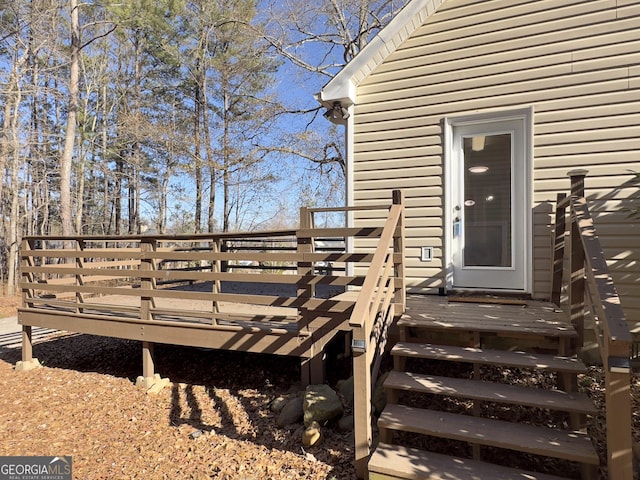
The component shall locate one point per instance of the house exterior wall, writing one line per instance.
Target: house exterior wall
(576, 63)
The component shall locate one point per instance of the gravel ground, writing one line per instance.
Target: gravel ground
(212, 421)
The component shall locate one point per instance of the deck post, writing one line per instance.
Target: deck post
(80, 246)
(576, 262)
(148, 284)
(400, 296)
(148, 368)
(558, 249)
(149, 380)
(619, 438)
(216, 268)
(28, 362)
(363, 432)
(312, 369)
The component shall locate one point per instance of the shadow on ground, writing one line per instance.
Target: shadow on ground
(205, 384)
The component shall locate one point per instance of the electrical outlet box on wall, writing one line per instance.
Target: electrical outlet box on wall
(426, 254)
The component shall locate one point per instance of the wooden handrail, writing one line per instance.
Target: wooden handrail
(361, 317)
(589, 273)
(347, 209)
(615, 323)
(372, 315)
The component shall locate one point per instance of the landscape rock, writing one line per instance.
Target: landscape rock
(321, 404)
(345, 424)
(291, 413)
(278, 404)
(312, 435)
(345, 387)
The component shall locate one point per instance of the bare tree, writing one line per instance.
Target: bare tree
(321, 37)
(318, 39)
(66, 159)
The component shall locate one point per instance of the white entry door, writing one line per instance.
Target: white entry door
(489, 184)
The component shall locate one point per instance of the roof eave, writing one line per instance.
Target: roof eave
(342, 87)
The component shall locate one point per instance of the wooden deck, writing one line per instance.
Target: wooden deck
(240, 318)
(485, 321)
(274, 292)
(117, 287)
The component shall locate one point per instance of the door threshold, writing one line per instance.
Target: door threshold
(489, 296)
(478, 292)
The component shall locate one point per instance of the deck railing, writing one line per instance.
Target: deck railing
(381, 298)
(590, 284)
(197, 285)
(162, 281)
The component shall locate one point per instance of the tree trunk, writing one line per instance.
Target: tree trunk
(197, 119)
(226, 163)
(13, 236)
(106, 198)
(211, 223)
(66, 160)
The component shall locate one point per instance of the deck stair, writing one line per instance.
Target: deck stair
(480, 410)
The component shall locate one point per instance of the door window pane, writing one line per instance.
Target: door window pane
(487, 201)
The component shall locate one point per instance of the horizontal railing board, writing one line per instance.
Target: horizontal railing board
(89, 278)
(105, 308)
(196, 237)
(181, 315)
(325, 305)
(257, 339)
(94, 275)
(94, 264)
(137, 255)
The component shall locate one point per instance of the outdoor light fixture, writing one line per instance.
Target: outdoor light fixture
(337, 113)
(478, 169)
(477, 143)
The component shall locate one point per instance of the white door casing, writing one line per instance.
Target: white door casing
(488, 201)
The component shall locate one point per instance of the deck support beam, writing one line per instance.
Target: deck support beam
(28, 362)
(150, 381)
(312, 369)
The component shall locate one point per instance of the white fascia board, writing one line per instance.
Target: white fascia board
(342, 87)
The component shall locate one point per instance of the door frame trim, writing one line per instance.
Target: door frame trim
(448, 123)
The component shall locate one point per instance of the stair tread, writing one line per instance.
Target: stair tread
(568, 445)
(494, 392)
(548, 329)
(414, 464)
(489, 357)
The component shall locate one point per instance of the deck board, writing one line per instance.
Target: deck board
(437, 313)
(491, 392)
(569, 445)
(390, 461)
(502, 358)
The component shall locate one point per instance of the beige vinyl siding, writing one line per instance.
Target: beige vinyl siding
(577, 63)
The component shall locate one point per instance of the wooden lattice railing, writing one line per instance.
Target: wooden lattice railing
(591, 285)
